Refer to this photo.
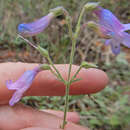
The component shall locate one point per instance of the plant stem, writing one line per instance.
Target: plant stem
(73, 38)
(27, 41)
(53, 72)
(74, 76)
(58, 73)
(74, 41)
(66, 104)
(79, 22)
(69, 24)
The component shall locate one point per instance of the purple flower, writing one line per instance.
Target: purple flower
(21, 85)
(111, 27)
(31, 29)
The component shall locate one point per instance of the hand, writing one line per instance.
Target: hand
(21, 117)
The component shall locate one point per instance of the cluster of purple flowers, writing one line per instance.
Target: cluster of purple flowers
(108, 25)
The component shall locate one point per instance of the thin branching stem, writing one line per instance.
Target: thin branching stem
(73, 38)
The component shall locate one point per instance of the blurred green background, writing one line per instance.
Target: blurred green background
(109, 109)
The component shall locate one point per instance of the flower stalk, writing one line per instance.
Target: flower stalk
(66, 103)
(69, 81)
(45, 53)
(53, 66)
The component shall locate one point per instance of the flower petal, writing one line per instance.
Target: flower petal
(126, 39)
(108, 19)
(126, 27)
(107, 42)
(18, 94)
(31, 29)
(15, 98)
(22, 84)
(9, 84)
(115, 46)
(25, 79)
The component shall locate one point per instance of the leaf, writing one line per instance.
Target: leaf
(75, 80)
(121, 59)
(95, 122)
(114, 120)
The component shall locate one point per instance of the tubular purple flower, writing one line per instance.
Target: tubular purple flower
(113, 28)
(32, 29)
(22, 84)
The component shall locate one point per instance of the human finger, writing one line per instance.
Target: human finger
(71, 116)
(46, 84)
(21, 116)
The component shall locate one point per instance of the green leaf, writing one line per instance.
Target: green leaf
(95, 122)
(114, 120)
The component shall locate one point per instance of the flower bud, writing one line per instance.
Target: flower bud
(92, 25)
(58, 11)
(87, 65)
(45, 67)
(43, 51)
(90, 6)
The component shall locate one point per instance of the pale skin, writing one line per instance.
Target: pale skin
(21, 117)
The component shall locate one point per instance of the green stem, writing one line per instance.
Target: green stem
(76, 73)
(58, 73)
(73, 38)
(74, 41)
(69, 24)
(79, 22)
(66, 104)
(71, 57)
(53, 72)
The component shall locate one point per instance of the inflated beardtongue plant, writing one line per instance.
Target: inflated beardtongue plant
(32, 29)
